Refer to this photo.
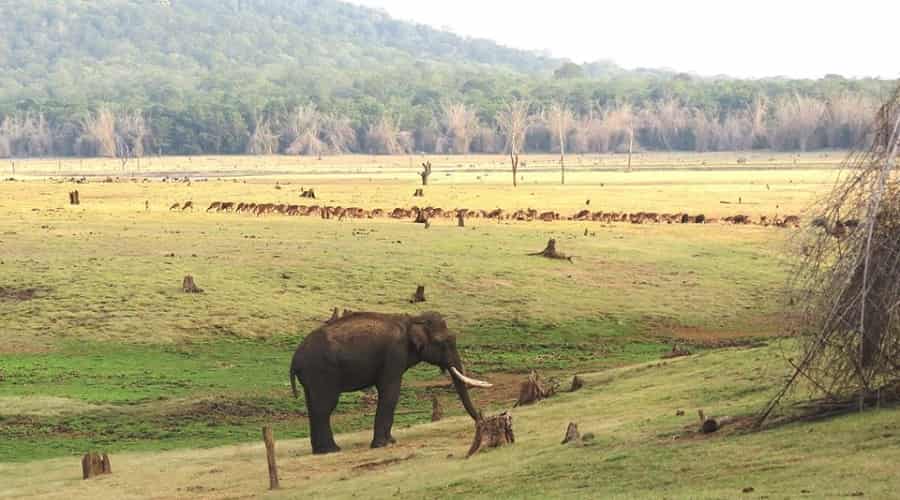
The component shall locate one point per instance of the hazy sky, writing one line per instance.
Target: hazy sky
(745, 38)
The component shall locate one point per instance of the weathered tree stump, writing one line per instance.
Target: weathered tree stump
(577, 383)
(73, 198)
(426, 172)
(550, 252)
(437, 413)
(421, 218)
(532, 391)
(572, 434)
(95, 464)
(707, 425)
(419, 296)
(269, 439)
(460, 219)
(492, 432)
(189, 286)
(420, 193)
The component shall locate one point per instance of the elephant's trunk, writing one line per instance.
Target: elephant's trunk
(463, 392)
(461, 383)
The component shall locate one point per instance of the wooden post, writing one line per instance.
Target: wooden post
(269, 439)
(437, 413)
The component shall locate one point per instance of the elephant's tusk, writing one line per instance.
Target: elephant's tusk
(470, 381)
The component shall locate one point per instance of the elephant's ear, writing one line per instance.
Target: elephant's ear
(418, 338)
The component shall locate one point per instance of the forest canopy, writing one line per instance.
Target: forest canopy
(134, 77)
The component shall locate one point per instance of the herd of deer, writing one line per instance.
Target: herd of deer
(427, 213)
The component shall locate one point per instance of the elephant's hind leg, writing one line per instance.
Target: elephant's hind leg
(388, 395)
(321, 405)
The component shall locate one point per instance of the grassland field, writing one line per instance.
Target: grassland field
(100, 349)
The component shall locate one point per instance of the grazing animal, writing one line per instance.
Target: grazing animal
(175, 206)
(188, 205)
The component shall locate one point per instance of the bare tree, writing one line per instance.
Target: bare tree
(513, 120)
(98, 136)
(795, 121)
(263, 140)
(461, 125)
(303, 132)
(385, 138)
(667, 119)
(847, 118)
(25, 135)
(561, 121)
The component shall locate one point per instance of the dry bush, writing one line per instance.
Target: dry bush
(846, 281)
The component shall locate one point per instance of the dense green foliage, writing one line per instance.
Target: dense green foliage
(206, 75)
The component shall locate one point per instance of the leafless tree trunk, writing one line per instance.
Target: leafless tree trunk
(561, 120)
(513, 121)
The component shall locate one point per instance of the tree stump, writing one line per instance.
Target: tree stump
(95, 464)
(492, 432)
(572, 434)
(269, 439)
(461, 219)
(550, 252)
(420, 193)
(532, 391)
(426, 172)
(437, 413)
(707, 425)
(189, 286)
(577, 383)
(421, 218)
(419, 296)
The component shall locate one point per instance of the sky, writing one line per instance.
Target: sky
(742, 38)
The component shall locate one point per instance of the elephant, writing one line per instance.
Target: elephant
(366, 349)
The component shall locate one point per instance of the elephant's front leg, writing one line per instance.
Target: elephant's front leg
(388, 395)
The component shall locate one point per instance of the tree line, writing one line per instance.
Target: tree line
(791, 122)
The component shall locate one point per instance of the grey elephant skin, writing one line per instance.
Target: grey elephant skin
(363, 350)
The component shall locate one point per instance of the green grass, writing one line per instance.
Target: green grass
(641, 449)
(111, 353)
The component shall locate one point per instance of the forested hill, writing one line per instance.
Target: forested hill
(108, 77)
(140, 49)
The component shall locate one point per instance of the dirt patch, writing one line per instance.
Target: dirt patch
(10, 294)
(729, 426)
(504, 392)
(230, 411)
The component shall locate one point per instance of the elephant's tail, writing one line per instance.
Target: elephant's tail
(294, 382)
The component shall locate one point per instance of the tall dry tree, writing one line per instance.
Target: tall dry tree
(561, 121)
(303, 131)
(98, 136)
(460, 124)
(514, 120)
(263, 139)
(385, 138)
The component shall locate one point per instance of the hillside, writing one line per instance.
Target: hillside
(133, 77)
(138, 50)
(641, 449)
